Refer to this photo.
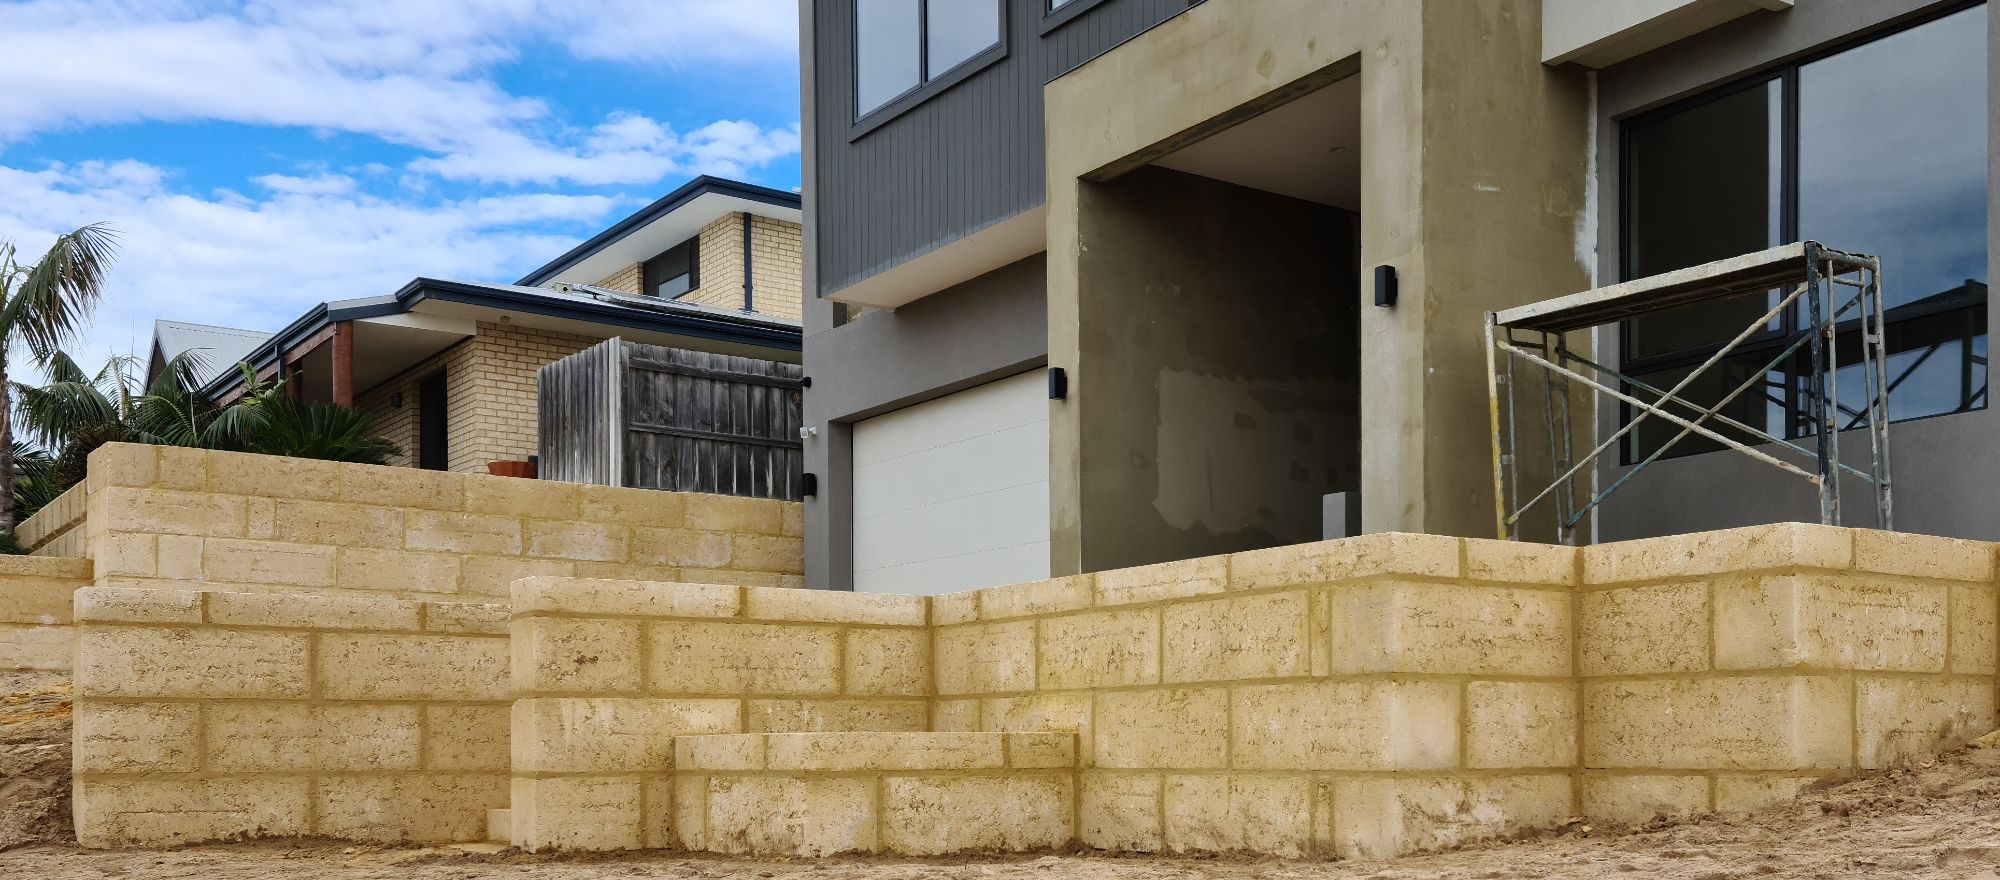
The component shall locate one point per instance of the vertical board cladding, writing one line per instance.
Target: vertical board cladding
(170, 517)
(35, 613)
(217, 716)
(609, 674)
(959, 161)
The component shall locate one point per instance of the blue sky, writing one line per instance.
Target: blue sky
(259, 157)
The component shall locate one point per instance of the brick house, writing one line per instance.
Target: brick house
(447, 369)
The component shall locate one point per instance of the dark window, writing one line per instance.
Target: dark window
(673, 273)
(900, 45)
(433, 429)
(1879, 148)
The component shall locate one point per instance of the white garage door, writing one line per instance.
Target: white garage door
(953, 494)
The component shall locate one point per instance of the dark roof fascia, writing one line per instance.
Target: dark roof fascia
(720, 328)
(693, 189)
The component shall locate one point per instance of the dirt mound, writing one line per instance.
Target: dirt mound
(34, 759)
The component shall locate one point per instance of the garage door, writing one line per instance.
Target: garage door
(953, 494)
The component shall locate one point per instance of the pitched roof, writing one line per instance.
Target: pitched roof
(221, 348)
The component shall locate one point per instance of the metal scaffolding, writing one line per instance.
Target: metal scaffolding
(1807, 274)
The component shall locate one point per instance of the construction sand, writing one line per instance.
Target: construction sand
(1941, 820)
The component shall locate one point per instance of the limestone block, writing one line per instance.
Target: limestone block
(401, 571)
(35, 647)
(512, 496)
(1926, 556)
(1450, 629)
(1100, 649)
(794, 520)
(725, 752)
(467, 738)
(428, 808)
(1766, 722)
(1167, 580)
(122, 553)
(1632, 800)
(728, 513)
(985, 658)
(136, 738)
(826, 716)
(954, 608)
(596, 542)
(461, 532)
(181, 468)
(638, 571)
(467, 618)
(1781, 545)
(564, 655)
(1326, 562)
(1119, 812)
(1515, 562)
(1178, 728)
(767, 553)
(624, 597)
(611, 735)
(167, 512)
(833, 606)
(1248, 637)
(1902, 720)
(690, 812)
(180, 557)
(500, 826)
(1366, 725)
(1036, 597)
(37, 600)
(344, 525)
(122, 464)
(686, 547)
(274, 476)
(888, 662)
(1268, 815)
(137, 605)
(176, 812)
(402, 487)
(267, 562)
(1384, 817)
(657, 817)
(632, 507)
(780, 816)
(1973, 630)
(302, 738)
(1830, 622)
(412, 667)
(742, 658)
(1645, 629)
(1745, 793)
(739, 577)
(878, 751)
(182, 662)
(1060, 713)
(302, 611)
(577, 813)
(1520, 725)
(495, 575)
(935, 815)
(951, 716)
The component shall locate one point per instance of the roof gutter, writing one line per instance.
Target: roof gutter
(693, 189)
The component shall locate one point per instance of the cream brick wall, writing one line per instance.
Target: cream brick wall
(626, 280)
(203, 715)
(776, 268)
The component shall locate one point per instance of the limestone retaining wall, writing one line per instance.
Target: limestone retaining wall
(207, 715)
(53, 530)
(35, 610)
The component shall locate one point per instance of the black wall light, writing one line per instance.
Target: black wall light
(1385, 286)
(809, 487)
(1058, 384)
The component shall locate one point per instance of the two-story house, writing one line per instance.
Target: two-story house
(1096, 283)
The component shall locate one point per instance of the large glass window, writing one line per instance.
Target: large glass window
(673, 273)
(1880, 148)
(900, 45)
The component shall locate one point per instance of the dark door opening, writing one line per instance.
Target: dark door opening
(433, 452)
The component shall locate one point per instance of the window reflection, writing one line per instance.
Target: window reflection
(888, 50)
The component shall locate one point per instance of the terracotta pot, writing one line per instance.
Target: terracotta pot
(524, 469)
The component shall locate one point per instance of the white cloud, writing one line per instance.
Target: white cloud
(411, 73)
(258, 263)
(314, 185)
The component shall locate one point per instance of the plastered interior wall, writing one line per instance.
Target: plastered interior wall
(1473, 159)
(174, 518)
(35, 610)
(1223, 359)
(206, 715)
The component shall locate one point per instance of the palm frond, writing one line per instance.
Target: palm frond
(59, 292)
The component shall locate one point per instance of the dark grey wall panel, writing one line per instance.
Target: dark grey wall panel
(967, 157)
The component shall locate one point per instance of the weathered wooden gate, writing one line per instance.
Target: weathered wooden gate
(647, 416)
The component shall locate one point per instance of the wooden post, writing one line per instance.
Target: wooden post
(343, 363)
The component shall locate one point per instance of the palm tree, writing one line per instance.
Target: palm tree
(43, 305)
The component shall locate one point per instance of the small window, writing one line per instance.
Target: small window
(900, 45)
(672, 274)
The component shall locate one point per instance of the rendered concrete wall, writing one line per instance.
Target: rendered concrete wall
(170, 517)
(35, 610)
(1225, 367)
(608, 673)
(210, 716)
(1599, 33)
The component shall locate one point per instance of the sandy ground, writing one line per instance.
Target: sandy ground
(1941, 820)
